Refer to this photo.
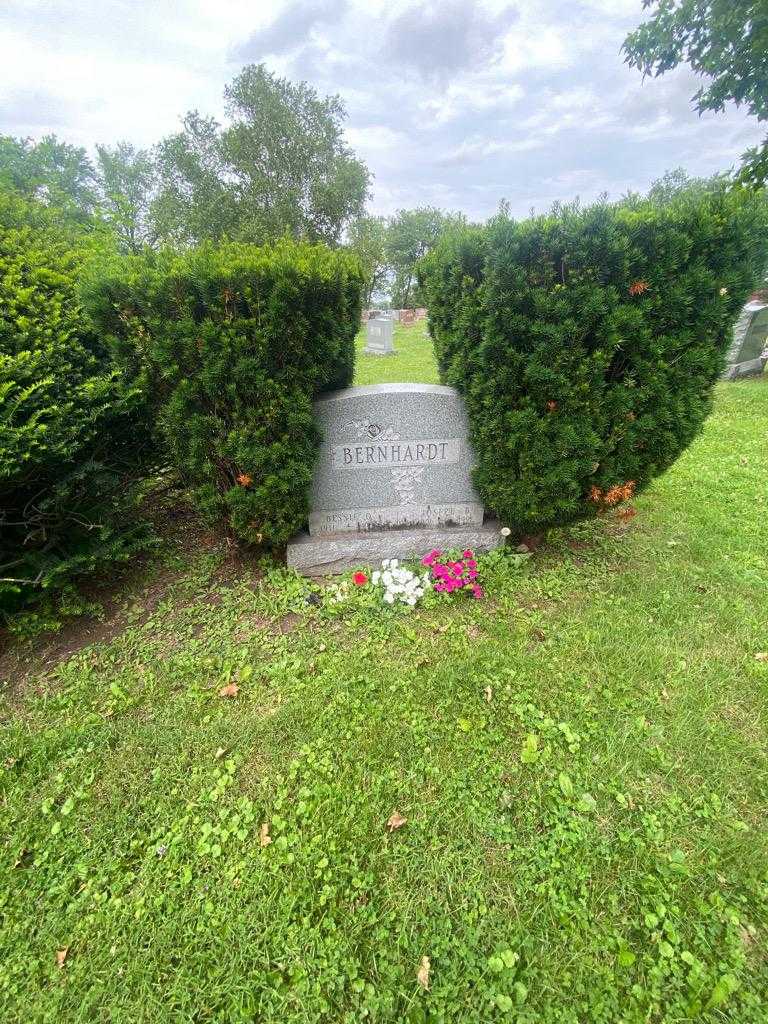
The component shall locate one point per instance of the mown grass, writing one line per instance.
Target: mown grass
(413, 358)
(587, 845)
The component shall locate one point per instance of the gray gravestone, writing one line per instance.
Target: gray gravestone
(378, 336)
(393, 479)
(748, 354)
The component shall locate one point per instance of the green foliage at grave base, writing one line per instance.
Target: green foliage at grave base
(233, 343)
(586, 342)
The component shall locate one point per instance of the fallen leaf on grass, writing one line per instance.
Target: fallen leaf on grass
(488, 694)
(761, 656)
(422, 975)
(61, 955)
(264, 837)
(473, 632)
(230, 690)
(220, 753)
(395, 821)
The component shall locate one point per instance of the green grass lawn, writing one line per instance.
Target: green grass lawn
(413, 359)
(581, 758)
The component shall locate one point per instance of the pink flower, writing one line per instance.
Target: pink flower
(477, 590)
(468, 554)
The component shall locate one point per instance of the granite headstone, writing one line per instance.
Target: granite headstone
(379, 333)
(748, 353)
(393, 479)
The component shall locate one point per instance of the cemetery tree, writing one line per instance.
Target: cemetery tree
(412, 234)
(50, 172)
(725, 42)
(126, 184)
(367, 238)
(279, 166)
(194, 200)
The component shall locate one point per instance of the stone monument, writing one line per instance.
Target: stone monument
(748, 354)
(393, 480)
(379, 333)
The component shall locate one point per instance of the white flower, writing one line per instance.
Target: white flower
(375, 577)
(505, 531)
(723, 292)
(389, 598)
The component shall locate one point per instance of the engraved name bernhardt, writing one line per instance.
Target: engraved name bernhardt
(391, 454)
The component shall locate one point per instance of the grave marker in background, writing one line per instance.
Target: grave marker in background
(748, 354)
(378, 336)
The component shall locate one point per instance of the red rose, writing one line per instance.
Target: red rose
(359, 579)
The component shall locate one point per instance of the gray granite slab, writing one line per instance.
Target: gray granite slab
(392, 480)
(379, 334)
(748, 353)
(393, 456)
(335, 553)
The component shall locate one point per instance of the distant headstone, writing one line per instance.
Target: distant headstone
(748, 354)
(378, 336)
(393, 479)
(420, 313)
(408, 316)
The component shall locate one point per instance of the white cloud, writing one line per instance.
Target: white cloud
(451, 103)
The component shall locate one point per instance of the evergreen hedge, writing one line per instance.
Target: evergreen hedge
(72, 433)
(232, 344)
(587, 342)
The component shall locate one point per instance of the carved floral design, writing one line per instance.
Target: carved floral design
(405, 478)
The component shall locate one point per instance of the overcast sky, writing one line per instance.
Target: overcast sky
(454, 103)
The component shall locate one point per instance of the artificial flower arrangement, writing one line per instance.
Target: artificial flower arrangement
(397, 584)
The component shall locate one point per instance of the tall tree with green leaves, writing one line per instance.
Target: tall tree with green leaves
(51, 172)
(724, 41)
(412, 234)
(280, 166)
(127, 179)
(367, 238)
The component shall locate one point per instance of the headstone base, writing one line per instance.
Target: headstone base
(750, 368)
(336, 552)
(378, 352)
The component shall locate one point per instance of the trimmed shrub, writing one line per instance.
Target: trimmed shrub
(71, 431)
(587, 342)
(233, 343)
